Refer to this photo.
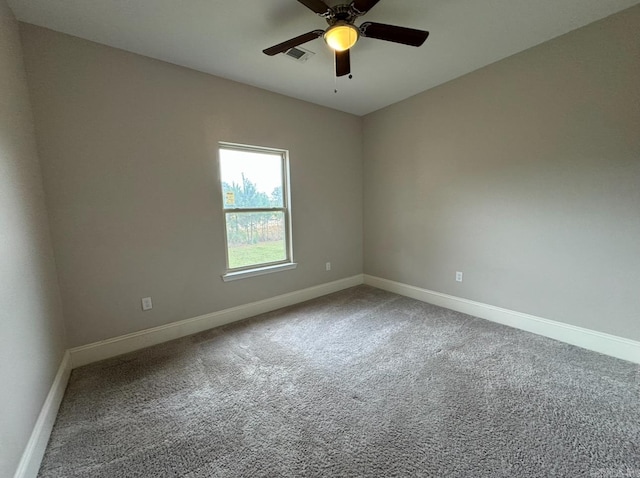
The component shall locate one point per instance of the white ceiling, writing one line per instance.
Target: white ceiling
(226, 38)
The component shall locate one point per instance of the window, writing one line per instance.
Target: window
(255, 197)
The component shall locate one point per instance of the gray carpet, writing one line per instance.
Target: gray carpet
(360, 383)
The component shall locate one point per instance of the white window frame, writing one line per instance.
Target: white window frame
(270, 267)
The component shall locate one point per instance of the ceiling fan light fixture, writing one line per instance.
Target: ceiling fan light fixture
(341, 36)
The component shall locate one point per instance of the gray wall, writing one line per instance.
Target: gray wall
(525, 175)
(129, 149)
(32, 338)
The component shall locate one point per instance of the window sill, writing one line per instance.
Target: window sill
(230, 276)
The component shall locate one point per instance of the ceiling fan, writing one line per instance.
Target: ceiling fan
(342, 34)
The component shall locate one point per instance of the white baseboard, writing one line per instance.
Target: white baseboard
(607, 344)
(104, 349)
(37, 444)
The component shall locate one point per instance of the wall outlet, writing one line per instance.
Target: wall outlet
(146, 303)
(328, 266)
(458, 276)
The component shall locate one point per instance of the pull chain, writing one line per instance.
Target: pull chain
(335, 78)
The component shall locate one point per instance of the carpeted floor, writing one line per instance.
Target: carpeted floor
(360, 383)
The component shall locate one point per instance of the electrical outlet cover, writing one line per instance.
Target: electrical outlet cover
(146, 303)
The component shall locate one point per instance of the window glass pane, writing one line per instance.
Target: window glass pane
(250, 179)
(255, 238)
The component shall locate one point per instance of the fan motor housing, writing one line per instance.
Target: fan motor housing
(342, 13)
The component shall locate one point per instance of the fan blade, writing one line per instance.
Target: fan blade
(406, 36)
(363, 6)
(317, 6)
(286, 45)
(343, 63)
